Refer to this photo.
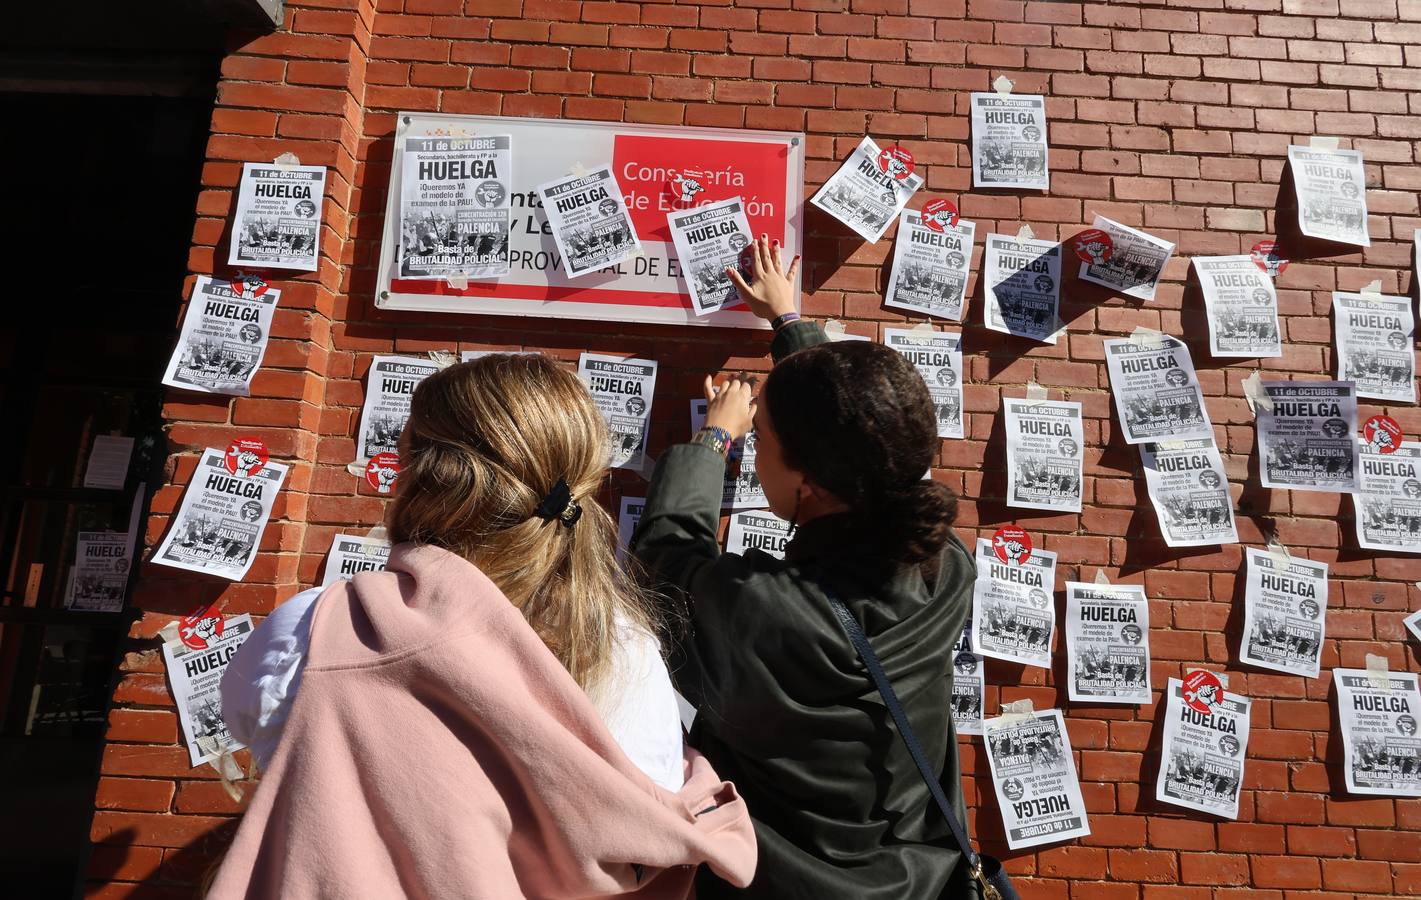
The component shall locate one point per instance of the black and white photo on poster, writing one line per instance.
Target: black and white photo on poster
(1203, 753)
(710, 239)
(622, 390)
(930, 267)
(1284, 613)
(757, 529)
(1009, 147)
(1307, 436)
(1376, 345)
(1107, 642)
(278, 219)
(1157, 393)
(196, 680)
(1387, 504)
(1044, 454)
(968, 685)
(1190, 492)
(742, 489)
(1331, 189)
(937, 355)
(590, 222)
(867, 193)
(1377, 714)
(1013, 606)
(1135, 263)
(389, 387)
(628, 517)
(1241, 305)
(99, 580)
(224, 336)
(352, 554)
(1022, 287)
(219, 524)
(1034, 777)
(455, 206)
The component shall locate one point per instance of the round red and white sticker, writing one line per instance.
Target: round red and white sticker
(895, 161)
(1266, 257)
(1093, 246)
(939, 214)
(200, 628)
(1202, 690)
(248, 285)
(1382, 434)
(685, 186)
(1012, 544)
(382, 470)
(246, 456)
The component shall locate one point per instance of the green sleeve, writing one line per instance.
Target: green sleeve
(796, 336)
(677, 534)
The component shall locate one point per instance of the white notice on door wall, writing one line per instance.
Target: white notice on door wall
(352, 554)
(278, 219)
(967, 685)
(1044, 463)
(1285, 612)
(930, 267)
(1009, 148)
(870, 189)
(1387, 505)
(1376, 345)
(1035, 780)
(1108, 641)
(1331, 188)
(196, 678)
(622, 390)
(1157, 394)
(219, 524)
(1307, 440)
(224, 336)
(937, 355)
(1135, 263)
(757, 530)
(1242, 307)
(708, 240)
(1013, 610)
(590, 221)
(455, 208)
(1189, 491)
(1205, 744)
(1377, 716)
(1022, 287)
(389, 387)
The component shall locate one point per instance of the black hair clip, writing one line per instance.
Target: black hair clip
(559, 505)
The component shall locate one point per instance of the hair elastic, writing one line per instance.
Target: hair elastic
(559, 505)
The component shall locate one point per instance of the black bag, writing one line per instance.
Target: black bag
(986, 870)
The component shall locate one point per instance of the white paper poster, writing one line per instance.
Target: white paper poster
(455, 210)
(1242, 307)
(102, 561)
(1034, 776)
(1190, 492)
(1284, 613)
(708, 240)
(590, 221)
(196, 679)
(389, 387)
(1013, 611)
(1307, 441)
(1413, 624)
(219, 524)
(1157, 394)
(1044, 461)
(628, 517)
(930, 267)
(1331, 187)
(1108, 642)
(622, 390)
(742, 489)
(1135, 263)
(757, 530)
(1009, 141)
(870, 189)
(1022, 287)
(1202, 757)
(1377, 718)
(278, 220)
(352, 554)
(223, 338)
(968, 685)
(937, 356)
(1387, 505)
(107, 468)
(1376, 345)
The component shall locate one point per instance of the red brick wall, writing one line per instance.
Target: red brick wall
(1171, 116)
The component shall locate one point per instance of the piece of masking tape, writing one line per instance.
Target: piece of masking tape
(458, 282)
(834, 329)
(357, 468)
(578, 170)
(1148, 337)
(1035, 391)
(442, 358)
(1100, 577)
(169, 633)
(225, 765)
(1317, 142)
(1372, 288)
(1024, 233)
(1379, 671)
(378, 533)
(1017, 711)
(1278, 551)
(921, 333)
(287, 161)
(1003, 85)
(1256, 395)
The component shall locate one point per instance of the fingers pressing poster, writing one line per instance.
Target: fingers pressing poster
(1307, 439)
(224, 336)
(1022, 287)
(930, 266)
(1190, 492)
(1205, 744)
(968, 683)
(1013, 613)
(1157, 394)
(1108, 642)
(1376, 345)
(742, 488)
(710, 239)
(388, 390)
(1044, 462)
(1035, 780)
(455, 206)
(1284, 613)
(1377, 715)
(870, 189)
(757, 530)
(590, 222)
(352, 554)
(1241, 305)
(622, 390)
(1331, 188)
(278, 220)
(937, 356)
(1009, 141)
(220, 522)
(196, 679)
(1387, 505)
(1132, 263)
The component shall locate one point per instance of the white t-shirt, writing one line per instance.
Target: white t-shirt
(637, 701)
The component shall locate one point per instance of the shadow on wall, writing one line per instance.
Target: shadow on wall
(172, 873)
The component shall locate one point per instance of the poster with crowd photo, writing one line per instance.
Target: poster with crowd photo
(968, 685)
(930, 267)
(1376, 345)
(223, 338)
(937, 356)
(1022, 287)
(99, 580)
(278, 220)
(1044, 461)
(1009, 141)
(1306, 440)
(757, 530)
(1205, 744)
(352, 554)
(1242, 307)
(1190, 492)
(1331, 188)
(742, 489)
(219, 524)
(1284, 613)
(1034, 777)
(1013, 610)
(628, 517)
(388, 391)
(196, 679)
(622, 390)
(1108, 642)
(1134, 263)
(1387, 505)
(1381, 750)
(455, 210)
(869, 190)
(590, 222)
(1157, 394)
(710, 239)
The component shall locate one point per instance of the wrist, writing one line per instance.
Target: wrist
(784, 319)
(713, 437)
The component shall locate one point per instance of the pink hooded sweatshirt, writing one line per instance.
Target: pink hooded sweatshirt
(437, 748)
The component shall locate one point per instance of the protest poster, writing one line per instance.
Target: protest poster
(196, 679)
(870, 189)
(757, 530)
(1205, 744)
(968, 685)
(1034, 777)
(1108, 642)
(220, 522)
(388, 391)
(1022, 287)
(590, 222)
(1044, 462)
(628, 517)
(352, 554)
(1284, 613)
(1413, 624)
(622, 390)
(1009, 141)
(1376, 345)
(223, 338)
(708, 240)
(937, 355)
(742, 489)
(102, 560)
(1134, 263)
(1307, 436)
(1013, 611)
(107, 468)
(1377, 716)
(1241, 305)
(1190, 492)
(1387, 504)
(1331, 189)
(930, 267)
(1157, 394)
(455, 211)
(278, 219)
